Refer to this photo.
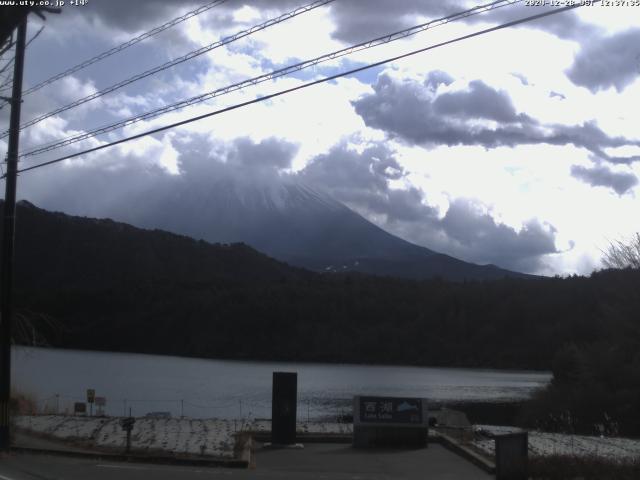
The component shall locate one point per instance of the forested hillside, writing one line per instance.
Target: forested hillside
(97, 284)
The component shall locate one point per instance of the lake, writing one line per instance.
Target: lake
(204, 388)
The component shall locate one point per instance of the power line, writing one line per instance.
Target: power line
(4, 67)
(189, 56)
(7, 84)
(35, 35)
(303, 86)
(124, 45)
(270, 76)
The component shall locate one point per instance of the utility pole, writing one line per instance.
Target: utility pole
(8, 238)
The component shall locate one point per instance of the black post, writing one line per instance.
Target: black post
(512, 456)
(128, 447)
(284, 404)
(8, 238)
(127, 425)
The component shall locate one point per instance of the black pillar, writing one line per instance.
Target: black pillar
(284, 403)
(512, 456)
(8, 234)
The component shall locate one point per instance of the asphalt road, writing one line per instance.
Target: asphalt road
(315, 461)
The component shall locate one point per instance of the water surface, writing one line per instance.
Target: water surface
(233, 389)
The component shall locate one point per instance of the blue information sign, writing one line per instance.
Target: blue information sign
(391, 410)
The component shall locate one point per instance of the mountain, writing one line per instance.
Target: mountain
(104, 285)
(54, 250)
(293, 223)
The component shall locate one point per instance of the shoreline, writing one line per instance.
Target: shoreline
(292, 362)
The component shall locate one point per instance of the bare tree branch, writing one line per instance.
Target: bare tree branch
(623, 254)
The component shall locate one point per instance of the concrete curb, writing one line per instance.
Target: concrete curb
(242, 462)
(451, 444)
(264, 437)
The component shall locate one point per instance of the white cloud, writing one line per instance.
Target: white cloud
(514, 184)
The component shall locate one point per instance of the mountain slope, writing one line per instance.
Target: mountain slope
(98, 284)
(55, 250)
(295, 224)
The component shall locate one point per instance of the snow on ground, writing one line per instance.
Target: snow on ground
(543, 444)
(213, 437)
(174, 435)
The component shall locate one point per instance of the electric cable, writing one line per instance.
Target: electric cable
(268, 76)
(305, 85)
(189, 56)
(127, 44)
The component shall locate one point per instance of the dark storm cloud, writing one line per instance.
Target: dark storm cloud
(606, 62)
(105, 185)
(478, 230)
(356, 20)
(361, 180)
(270, 153)
(480, 101)
(131, 16)
(602, 176)
(409, 111)
(479, 236)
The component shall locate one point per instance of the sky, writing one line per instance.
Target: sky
(518, 147)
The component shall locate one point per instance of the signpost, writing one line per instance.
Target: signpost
(91, 396)
(390, 421)
(79, 408)
(284, 403)
(127, 425)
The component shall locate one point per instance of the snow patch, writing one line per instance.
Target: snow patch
(544, 444)
(211, 437)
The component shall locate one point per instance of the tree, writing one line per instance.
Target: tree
(621, 254)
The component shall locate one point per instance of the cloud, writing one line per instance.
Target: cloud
(480, 101)
(479, 236)
(132, 16)
(602, 176)
(103, 183)
(355, 21)
(127, 186)
(612, 61)
(523, 80)
(479, 115)
(567, 25)
(270, 153)
(364, 181)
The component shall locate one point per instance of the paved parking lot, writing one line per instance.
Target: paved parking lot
(315, 461)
